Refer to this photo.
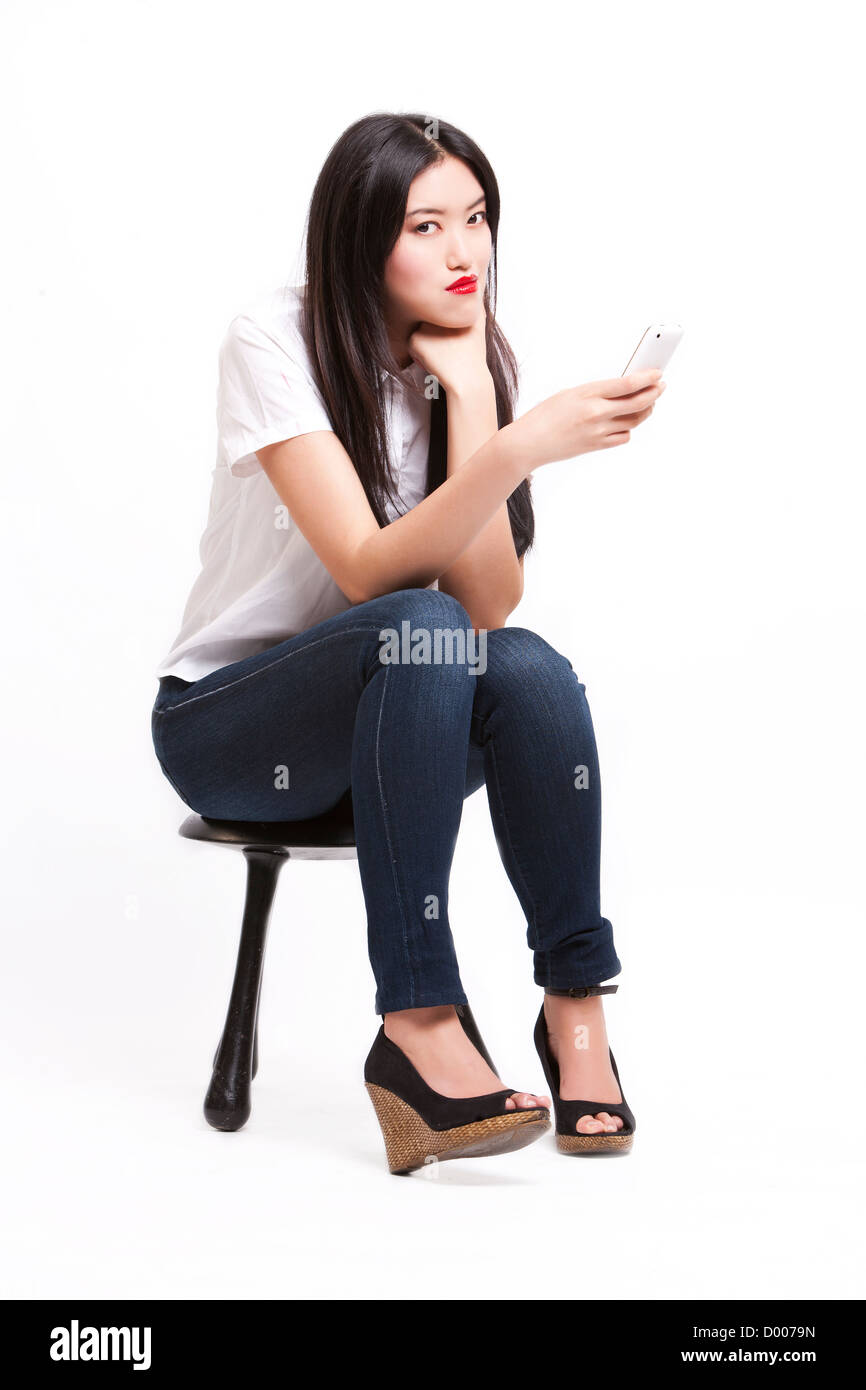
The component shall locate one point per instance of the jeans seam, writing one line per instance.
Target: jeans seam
(182, 704)
(501, 801)
(410, 969)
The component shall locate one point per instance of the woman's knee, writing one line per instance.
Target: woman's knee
(516, 654)
(422, 608)
(423, 628)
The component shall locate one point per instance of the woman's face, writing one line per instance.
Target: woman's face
(444, 236)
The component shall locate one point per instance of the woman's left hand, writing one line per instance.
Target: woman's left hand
(457, 357)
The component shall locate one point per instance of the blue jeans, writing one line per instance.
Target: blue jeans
(283, 735)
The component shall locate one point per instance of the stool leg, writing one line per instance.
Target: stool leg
(255, 1039)
(227, 1103)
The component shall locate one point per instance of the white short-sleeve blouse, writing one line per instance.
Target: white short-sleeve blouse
(260, 580)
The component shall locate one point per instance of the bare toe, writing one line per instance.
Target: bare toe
(611, 1122)
(587, 1124)
(525, 1100)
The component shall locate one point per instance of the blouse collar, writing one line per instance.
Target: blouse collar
(415, 372)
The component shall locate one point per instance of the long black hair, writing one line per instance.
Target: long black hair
(357, 211)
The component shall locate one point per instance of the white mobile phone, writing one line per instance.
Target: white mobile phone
(656, 347)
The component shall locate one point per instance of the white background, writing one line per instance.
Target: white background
(672, 162)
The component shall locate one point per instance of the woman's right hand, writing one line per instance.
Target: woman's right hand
(581, 419)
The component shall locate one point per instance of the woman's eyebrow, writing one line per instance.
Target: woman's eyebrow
(441, 211)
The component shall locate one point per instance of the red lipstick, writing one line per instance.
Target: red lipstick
(467, 284)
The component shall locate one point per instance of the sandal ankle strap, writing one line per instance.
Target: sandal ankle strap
(584, 991)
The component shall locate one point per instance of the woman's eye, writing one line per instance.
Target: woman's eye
(480, 213)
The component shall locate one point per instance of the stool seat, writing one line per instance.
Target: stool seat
(329, 836)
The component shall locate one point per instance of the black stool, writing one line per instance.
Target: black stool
(266, 845)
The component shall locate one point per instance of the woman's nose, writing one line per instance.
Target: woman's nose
(458, 253)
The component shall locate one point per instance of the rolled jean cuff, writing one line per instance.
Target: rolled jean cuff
(584, 991)
(584, 956)
(397, 1003)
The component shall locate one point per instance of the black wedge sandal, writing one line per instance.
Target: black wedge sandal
(568, 1112)
(421, 1126)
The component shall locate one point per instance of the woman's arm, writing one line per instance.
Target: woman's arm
(315, 478)
(487, 577)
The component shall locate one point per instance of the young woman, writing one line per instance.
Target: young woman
(372, 480)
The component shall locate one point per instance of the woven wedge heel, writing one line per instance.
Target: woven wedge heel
(421, 1126)
(568, 1112)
